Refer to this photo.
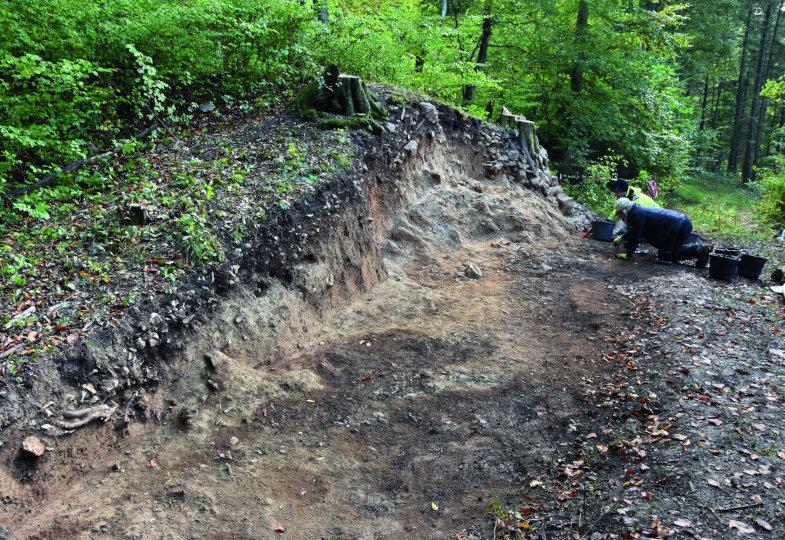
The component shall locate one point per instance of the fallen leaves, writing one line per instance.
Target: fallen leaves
(763, 524)
(742, 527)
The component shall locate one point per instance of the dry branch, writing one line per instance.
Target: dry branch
(76, 165)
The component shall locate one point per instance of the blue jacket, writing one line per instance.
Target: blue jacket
(662, 228)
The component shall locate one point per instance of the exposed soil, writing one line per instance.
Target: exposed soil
(441, 338)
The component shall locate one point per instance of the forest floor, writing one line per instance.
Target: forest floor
(509, 377)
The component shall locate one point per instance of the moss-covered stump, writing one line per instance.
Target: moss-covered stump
(339, 93)
(526, 137)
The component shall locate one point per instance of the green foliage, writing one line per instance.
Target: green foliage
(199, 243)
(722, 208)
(74, 76)
(772, 204)
(149, 92)
(48, 110)
(408, 43)
(592, 191)
(629, 101)
(37, 209)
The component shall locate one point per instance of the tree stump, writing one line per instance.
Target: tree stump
(343, 94)
(526, 137)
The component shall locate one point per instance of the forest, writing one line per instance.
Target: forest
(639, 89)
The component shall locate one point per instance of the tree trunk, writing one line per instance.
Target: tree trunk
(715, 108)
(764, 101)
(482, 55)
(581, 27)
(703, 102)
(755, 120)
(735, 141)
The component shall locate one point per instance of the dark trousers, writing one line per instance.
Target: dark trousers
(673, 249)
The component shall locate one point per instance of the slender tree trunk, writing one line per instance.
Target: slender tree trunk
(703, 102)
(764, 101)
(419, 60)
(775, 124)
(755, 120)
(735, 141)
(581, 27)
(482, 54)
(717, 92)
(782, 117)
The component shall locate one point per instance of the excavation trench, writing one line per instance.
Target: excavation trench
(409, 350)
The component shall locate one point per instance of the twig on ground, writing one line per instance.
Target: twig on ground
(22, 315)
(713, 513)
(75, 166)
(742, 507)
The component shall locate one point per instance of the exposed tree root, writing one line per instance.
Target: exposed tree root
(104, 412)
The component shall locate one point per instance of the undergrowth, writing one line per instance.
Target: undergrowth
(75, 254)
(722, 208)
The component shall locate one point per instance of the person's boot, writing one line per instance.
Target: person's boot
(703, 255)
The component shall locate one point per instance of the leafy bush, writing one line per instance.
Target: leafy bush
(592, 192)
(48, 112)
(74, 76)
(772, 203)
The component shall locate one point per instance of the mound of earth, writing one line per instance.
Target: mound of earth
(414, 341)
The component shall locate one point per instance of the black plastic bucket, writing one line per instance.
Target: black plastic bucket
(751, 266)
(602, 230)
(722, 267)
(729, 251)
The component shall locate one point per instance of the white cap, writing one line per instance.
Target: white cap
(622, 205)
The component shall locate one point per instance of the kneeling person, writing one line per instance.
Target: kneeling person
(667, 230)
(622, 188)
